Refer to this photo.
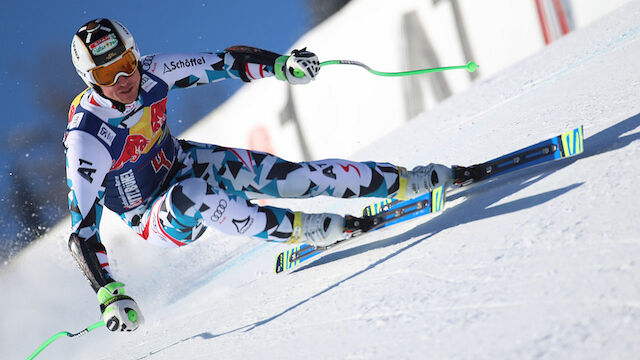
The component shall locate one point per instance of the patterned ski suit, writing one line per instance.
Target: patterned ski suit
(168, 190)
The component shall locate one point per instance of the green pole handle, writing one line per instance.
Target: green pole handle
(63, 333)
(470, 67)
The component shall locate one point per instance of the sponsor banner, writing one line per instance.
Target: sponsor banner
(75, 120)
(106, 134)
(128, 189)
(147, 83)
(146, 63)
(220, 209)
(103, 44)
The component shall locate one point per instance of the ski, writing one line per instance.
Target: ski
(392, 211)
(564, 145)
(375, 217)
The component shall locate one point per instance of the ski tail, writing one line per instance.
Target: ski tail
(294, 256)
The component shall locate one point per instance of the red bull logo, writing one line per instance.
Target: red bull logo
(158, 114)
(134, 147)
(144, 135)
(72, 110)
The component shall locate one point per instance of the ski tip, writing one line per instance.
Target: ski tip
(438, 196)
(572, 142)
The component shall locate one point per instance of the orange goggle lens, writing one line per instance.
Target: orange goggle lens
(107, 75)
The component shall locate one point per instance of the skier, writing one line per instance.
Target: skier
(120, 154)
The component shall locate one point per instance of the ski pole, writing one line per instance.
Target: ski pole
(63, 333)
(470, 67)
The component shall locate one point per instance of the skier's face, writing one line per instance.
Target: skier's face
(125, 90)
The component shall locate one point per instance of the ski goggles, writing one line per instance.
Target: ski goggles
(107, 75)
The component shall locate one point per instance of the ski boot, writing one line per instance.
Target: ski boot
(319, 230)
(423, 179)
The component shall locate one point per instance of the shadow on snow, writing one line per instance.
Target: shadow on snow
(474, 208)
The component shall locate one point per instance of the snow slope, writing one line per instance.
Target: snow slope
(543, 263)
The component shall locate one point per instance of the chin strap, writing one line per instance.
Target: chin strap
(116, 104)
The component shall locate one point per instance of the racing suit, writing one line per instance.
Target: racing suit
(123, 157)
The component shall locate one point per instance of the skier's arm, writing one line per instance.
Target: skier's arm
(88, 162)
(237, 62)
(298, 68)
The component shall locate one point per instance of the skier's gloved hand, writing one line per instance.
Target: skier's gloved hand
(119, 311)
(299, 68)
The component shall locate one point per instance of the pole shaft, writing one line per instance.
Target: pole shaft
(63, 333)
(470, 66)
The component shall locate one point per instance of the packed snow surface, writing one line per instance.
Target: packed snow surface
(542, 263)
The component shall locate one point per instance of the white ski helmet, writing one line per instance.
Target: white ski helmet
(99, 43)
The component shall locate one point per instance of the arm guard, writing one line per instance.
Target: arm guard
(84, 252)
(246, 54)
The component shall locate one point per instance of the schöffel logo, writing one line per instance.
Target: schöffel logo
(173, 65)
(242, 225)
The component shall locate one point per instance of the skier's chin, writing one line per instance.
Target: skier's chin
(128, 96)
